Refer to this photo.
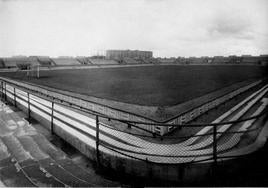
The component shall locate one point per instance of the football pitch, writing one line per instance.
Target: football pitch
(145, 85)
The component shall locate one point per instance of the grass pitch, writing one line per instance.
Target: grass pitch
(145, 85)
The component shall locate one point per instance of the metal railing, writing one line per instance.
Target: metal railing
(209, 146)
(83, 103)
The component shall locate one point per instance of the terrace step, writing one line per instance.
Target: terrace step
(48, 148)
(8, 169)
(36, 163)
(24, 173)
(6, 162)
(3, 129)
(16, 149)
(39, 176)
(41, 162)
(236, 114)
(62, 165)
(67, 164)
(59, 158)
(28, 161)
(84, 174)
(12, 177)
(32, 147)
(4, 154)
(61, 174)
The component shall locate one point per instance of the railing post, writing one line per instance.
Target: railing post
(215, 144)
(214, 166)
(5, 91)
(97, 140)
(15, 103)
(129, 125)
(52, 118)
(29, 105)
(2, 89)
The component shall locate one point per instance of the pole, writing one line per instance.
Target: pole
(52, 118)
(28, 70)
(214, 168)
(5, 91)
(29, 110)
(2, 89)
(97, 140)
(38, 71)
(215, 144)
(15, 104)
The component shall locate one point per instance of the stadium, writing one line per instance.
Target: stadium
(168, 119)
(138, 93)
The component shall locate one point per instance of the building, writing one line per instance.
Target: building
(135, 54)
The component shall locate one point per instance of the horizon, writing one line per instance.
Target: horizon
(67, 56)
(169, 28)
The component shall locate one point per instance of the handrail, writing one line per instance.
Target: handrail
(10, 81)
(147, 123)
(154, 122)
(181, 125)
(128, 153)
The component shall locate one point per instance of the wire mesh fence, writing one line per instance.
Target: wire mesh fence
(197, 142)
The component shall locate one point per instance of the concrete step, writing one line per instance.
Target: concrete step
(3, 151)
(48, 147)
(32, 147)
(16, 149)
(7, 124)
(26, 164)
(10, 113)
(30, 159)
(67, 164)
(61, 174)
(49, 165)
(12, 177)
(40, 177)
(26, 173)
(88, 176)
(3, 129)
(6, 162)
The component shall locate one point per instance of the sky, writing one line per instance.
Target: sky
(169, 28)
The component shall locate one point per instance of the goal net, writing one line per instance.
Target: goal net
(32, 70)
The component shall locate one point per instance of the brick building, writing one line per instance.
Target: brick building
(135, 54)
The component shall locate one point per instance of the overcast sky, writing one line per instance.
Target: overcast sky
(167, 27)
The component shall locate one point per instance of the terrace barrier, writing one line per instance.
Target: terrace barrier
(134, 152)
(181, 118)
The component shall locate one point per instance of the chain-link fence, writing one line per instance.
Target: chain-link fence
(231, 136)
(209, 142)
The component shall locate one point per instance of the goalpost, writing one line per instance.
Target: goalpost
(33, 70)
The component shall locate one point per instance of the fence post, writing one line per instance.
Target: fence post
(15, 104)
(29, 110)
(97, 140)
(52, 118)
(129, 125)
(2, 89)
(215, 144)
(214, 166)
(5, 91)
